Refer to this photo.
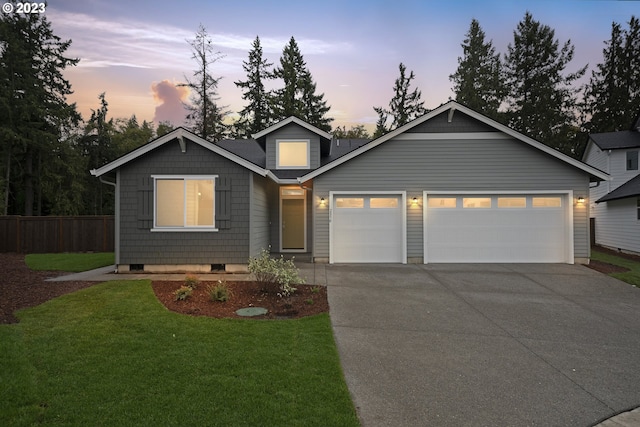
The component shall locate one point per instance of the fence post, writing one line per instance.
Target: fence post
(18, 234)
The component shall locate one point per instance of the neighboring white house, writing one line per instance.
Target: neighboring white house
(615, 204)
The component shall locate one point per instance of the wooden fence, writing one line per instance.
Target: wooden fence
(52, 234)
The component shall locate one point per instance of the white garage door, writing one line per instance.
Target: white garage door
(497, 228)
(367, 228)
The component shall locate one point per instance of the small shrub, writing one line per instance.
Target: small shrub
(309, 301)
(191, 280)
(182, 293)
(219, 292)
(315, 289)
(275, 273)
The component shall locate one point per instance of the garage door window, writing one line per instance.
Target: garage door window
(442, 202)
(547, 202)
(476, 202)
(383, 202)
(512, 202)
(350, 202)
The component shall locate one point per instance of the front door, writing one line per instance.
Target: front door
(292, 220)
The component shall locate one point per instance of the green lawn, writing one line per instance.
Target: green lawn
(73, 262)
(112, 355)
(632, 277)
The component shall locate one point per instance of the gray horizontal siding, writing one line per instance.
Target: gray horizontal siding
(142, 246)
(459, 123)
(260, 215)
(449, 165)
(293, 131)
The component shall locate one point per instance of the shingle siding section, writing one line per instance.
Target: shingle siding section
(459, 123)
(450, 165)
(260, 215)
(142, 246)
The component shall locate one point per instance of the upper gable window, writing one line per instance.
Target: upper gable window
(632, 160)
(293, 154)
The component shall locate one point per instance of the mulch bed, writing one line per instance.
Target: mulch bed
(22, 288)
(307, 300)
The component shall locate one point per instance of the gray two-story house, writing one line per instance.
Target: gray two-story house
(615, 204)
(450, 186)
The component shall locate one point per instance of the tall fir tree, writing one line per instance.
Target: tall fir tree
(298, 97)
(478, 82)
(256, 115)
(612, 97)
(542, 103)
(405, 105)
(33, 106)
(205, 116)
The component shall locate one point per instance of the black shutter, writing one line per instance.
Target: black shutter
(145, 203)
(223, 203)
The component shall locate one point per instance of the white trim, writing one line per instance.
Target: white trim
(289, 120)
(177, 134)
(443, 108)
(288, 140)
(569, 235)
(184, 178)
(402, 194)
(116, 228)
(302, 197)
(452, 135)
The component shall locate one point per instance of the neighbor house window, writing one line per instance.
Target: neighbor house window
(632, 160)
(292, 154)
(184, 203)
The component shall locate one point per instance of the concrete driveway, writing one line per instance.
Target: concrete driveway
(485, 345)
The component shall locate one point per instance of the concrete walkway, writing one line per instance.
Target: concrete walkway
(478, 344)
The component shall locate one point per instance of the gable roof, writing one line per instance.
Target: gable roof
(630, 188)
(177, 135)
(451, 107)
(289, 120)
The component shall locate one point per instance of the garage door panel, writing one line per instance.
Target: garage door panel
(496, 234)
(370, 233)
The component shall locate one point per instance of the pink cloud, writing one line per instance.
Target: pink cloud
(171, 98)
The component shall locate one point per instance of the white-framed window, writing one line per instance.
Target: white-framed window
(350, 202)
(293, 154)
(476, 202)
(184, 203)
(632, 160)
(442, 202)
(546, 202)
(383, 202)
(512, 202)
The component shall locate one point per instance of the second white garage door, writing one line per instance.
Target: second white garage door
(367, 228)
(497, 228)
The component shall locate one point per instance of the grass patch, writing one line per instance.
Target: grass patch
(112, 355)
(632, 277)
(72, 262)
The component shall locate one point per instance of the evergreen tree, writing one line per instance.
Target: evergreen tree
(355, 132)
(541, 102)
(612, 97)
(256, 115)
(33, 106)
(205, 116)
(403, 107)
(298, 96)
(478, 81)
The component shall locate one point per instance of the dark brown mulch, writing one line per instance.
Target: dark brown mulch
(607, 268)
(22, 288)
(307, 300)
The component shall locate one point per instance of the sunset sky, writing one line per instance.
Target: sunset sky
(136, 51)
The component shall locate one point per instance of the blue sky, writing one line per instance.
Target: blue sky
(135, 51)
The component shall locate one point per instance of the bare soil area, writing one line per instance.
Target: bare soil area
(607, 268)
(22, 288)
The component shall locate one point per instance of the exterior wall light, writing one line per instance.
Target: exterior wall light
(414, 201)
(581, 200)
(322, 201)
